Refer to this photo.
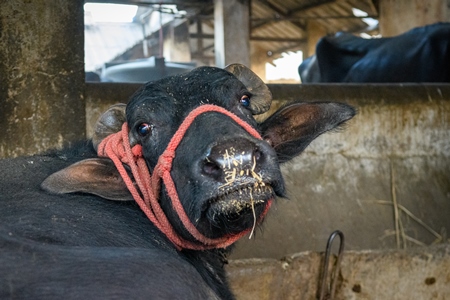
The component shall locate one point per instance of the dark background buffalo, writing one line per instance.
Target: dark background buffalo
(419, 55)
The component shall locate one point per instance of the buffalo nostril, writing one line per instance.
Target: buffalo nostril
(231, 158)
(211, 168)
(257, 154)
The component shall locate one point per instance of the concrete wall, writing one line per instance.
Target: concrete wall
(41, 75)
(421, 273)
(414, 13)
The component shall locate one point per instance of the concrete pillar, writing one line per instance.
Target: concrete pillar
(41, 75)
(258, 61)
(176, 42)
(414, 13)
(315, 32)
(231, 32)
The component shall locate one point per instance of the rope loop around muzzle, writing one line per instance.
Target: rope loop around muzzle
(147, 189)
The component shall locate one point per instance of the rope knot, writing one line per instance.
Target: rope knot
(137, 150)
(165, 161)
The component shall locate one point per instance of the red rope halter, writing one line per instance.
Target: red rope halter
(117, 147)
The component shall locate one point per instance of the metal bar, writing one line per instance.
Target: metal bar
(328, 293)
(297, 18)
(253, 38)
(153, 2)
(277, 39)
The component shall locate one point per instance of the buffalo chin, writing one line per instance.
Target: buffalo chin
(235, 211)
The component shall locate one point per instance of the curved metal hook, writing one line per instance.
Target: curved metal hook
(325, 293)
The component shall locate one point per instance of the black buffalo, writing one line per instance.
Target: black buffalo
(419, 55)
(66, 231)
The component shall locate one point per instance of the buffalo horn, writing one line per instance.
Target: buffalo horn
(109, 122)
(262, 97)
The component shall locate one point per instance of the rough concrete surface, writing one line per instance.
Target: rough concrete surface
(41, 75)
(420, 273)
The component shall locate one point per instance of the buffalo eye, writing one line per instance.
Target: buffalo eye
(245, 100)
(144, 129)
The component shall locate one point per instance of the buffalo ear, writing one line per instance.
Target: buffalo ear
(261, 95)
(290, 130)
(97, 176)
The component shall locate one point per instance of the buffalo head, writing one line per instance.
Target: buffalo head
(224, 174)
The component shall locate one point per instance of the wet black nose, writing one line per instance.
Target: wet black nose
(232, 158)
